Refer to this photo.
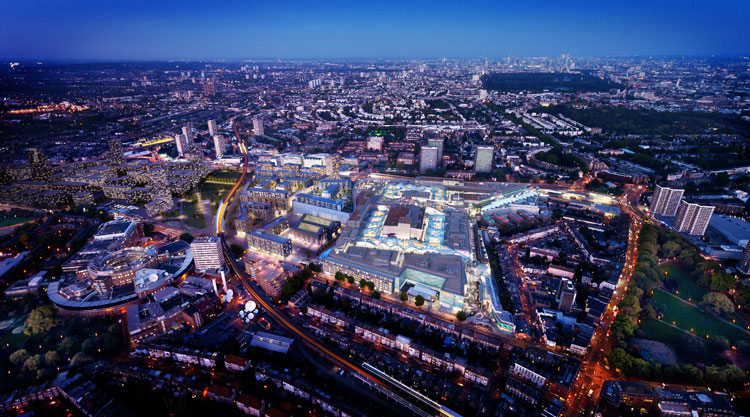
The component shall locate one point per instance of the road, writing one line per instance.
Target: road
(280, 317)
(594, 370)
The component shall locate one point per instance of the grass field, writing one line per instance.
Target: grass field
(656, 330)
(692, 319)
(192, 212)
(688, 288)
(214, 191)
(224, 177)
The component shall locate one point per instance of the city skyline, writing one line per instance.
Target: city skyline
(139, 31)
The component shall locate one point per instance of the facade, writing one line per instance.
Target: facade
(313, 230)
(181, 144)
(693, 218)
(744, 265)
(271, 277)
(258, 126)
(280, 200)
(438, 143)
(666, 201)
(428, 158)
(212, 130)
(567, 296)
(187, 132)
(207, 253)
(219, 145)
(483, 159)
(269, 243)
(326, 208)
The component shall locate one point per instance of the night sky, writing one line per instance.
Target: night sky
(159, 30)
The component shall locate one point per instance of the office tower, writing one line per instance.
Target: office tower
(187, 132)
(483, 159)
(212, 130)
(258, 126)
(207, 253)
(693, 218)
(438, 143)
(567, 296)
(39, 166)
(181, 144)
(219, 145)
(744, 265)
(115, 155)
(428, 158)
(209, 88)
(666, 200)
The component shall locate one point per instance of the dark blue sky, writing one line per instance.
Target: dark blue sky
(166, 29)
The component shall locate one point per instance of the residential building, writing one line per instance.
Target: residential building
(483, 159)
(212, 130)
(666, 201)
(693, 218)
(428, 158)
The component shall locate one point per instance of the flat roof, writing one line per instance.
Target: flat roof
(269, 236)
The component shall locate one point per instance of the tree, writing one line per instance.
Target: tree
(717, 303)
(350, 279)
(89, 345)
(18, 357)
(621, 360)
(718, 344)
(362, 283)
(68, 346)
(376, 295)
(31, 365)
(340, 276)
(187, 237)
(370, 285)
(237, 250)
(670, 249)
(41, 319)
(80, 359)
(148, 229)
(51, 358)
(404, 296)
(418, 300)
(315, 267)
(461, 315)
(722, 282)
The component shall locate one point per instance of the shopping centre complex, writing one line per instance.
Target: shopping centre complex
(418, 237)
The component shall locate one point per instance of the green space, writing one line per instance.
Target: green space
(38, 342)
(13, 220)
(621, 120)
(215, 191)
(192, 211)
(557, 157)
(661, 332)
(692, 319)
(543, 81)
(223, 177)
(649, 312)
(686, 287)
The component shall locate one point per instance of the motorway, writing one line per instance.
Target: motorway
(594, 371)
(280, 317)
